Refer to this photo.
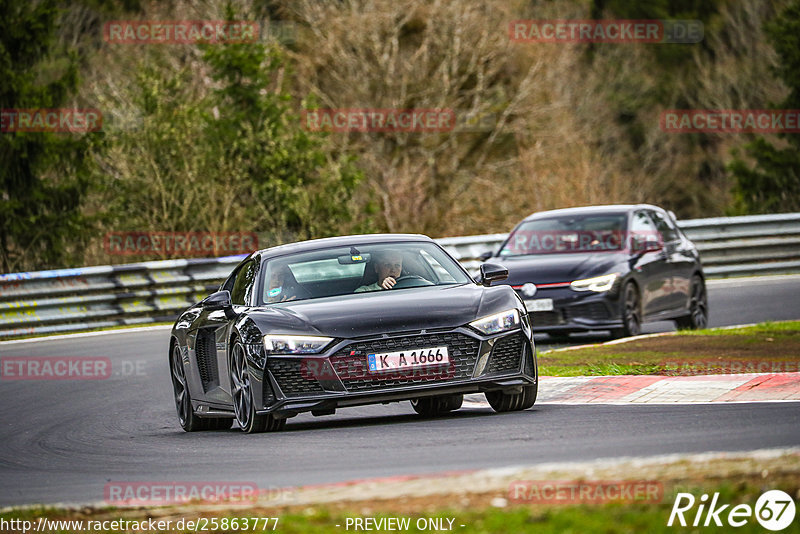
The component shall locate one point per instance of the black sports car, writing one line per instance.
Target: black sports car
(604, 268)
(348, 321)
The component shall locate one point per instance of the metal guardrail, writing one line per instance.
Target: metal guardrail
(94, 297)
(90, 297)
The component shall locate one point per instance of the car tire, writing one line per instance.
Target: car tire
(438, 405)
(631, 312)
(188, 420)
(244, 405)
(500, 401)
(698, 307)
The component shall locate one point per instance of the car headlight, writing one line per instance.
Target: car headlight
(499, 322)
(286, 344)
(597, 284)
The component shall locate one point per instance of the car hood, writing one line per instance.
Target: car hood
(363, 314)
(555, 268)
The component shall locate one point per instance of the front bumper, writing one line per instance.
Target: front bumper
(575, 311)
(339, 378)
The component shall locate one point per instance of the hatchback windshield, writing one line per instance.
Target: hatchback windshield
(573, 233)
(357, 269)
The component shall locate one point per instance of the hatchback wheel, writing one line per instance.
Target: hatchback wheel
(698, 307)
(631, 312)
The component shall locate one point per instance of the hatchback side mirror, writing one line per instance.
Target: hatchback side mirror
(491, 272)
(643, 244)
(486, 255)
(217, 301)
(652, 244)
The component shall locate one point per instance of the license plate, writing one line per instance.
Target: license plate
(539, 305)
(407, 359)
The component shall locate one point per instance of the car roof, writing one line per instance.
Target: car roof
(587, 210)
(341, 241)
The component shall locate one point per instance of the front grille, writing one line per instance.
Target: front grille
(506, 354)
(291, 379)
(350, 362)
(206, 352)
(549, 318)
(595, 311)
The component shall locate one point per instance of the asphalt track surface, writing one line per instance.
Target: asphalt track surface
(63, 441)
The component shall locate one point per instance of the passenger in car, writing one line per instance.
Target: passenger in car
(388, 265)
(282, 285)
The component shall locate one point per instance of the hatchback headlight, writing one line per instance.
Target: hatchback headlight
(597, 284)
(291, 344)
(499, 322)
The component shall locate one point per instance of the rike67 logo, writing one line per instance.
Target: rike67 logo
(774, 510)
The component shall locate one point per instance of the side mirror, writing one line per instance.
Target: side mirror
(652, 244)
(486, 255)
(491, 272)
(643, 244)
(220, 300)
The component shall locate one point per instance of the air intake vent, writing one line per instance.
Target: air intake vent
(206, 351)
(506, 355)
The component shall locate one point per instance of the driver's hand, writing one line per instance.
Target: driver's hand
(388, 282)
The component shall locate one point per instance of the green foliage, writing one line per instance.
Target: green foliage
(297, 190)
(227, 154)
(44, 176)
(773, 183)
(785, 37)
(153, 171)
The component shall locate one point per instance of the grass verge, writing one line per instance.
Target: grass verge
(762, 348)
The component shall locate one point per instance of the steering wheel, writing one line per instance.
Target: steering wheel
(411, 280)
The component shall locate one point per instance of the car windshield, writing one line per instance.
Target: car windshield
(355, 269)
(565, 234)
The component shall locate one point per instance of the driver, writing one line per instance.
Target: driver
(388, 265)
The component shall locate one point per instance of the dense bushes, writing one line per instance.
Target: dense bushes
(209, 137)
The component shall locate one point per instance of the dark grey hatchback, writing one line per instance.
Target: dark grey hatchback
(604, 268)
